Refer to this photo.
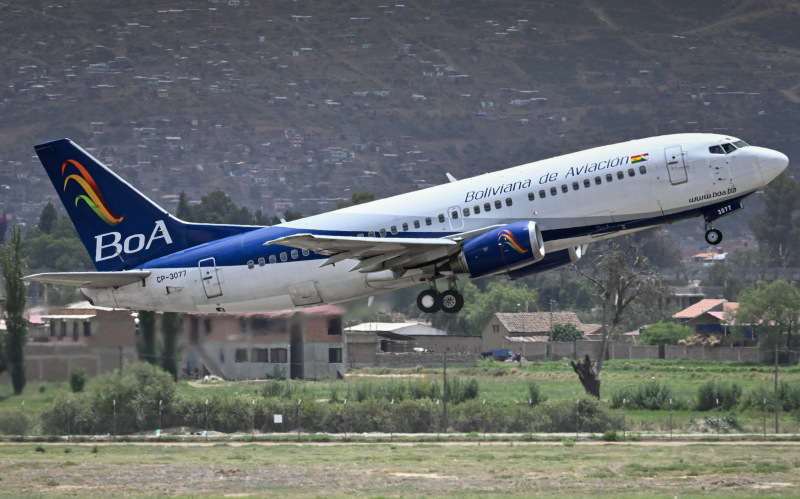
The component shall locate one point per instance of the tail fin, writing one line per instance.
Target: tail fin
(120, 227)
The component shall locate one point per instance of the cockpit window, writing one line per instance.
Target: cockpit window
(740, 143)
(729, 148)
(716, 150)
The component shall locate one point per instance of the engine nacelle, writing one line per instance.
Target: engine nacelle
(551, 261)
(501, 250)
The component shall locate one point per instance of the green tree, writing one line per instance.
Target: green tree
(184, 211)
(170, 329)
(48, 219)
(777, 227)
(566, 332)
(16, 327)
(773, 310)
(363, 197)
(664, 333)
(147, 329)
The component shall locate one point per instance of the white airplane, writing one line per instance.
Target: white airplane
(518, 222)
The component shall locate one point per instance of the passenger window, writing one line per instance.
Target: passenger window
(372, 233)
(631, 172)
(428, 221)
(284, 256)
(441, 218)
(498, 204)
(383, 232)
(305, 252)
(509, 202)
(587, 183)
(564, 188)
(454, 214)
(466, 212)
(642, 169)
(360, 234)
(272, 259)
(620, 175)
(487, 207)
(609, 178)
(575, 186)
(405, 226)
(476, 209)
(553, 191)
(261, 262)
(542, 194)
(530, 196)
(416, 224)
(598, 180)
(294, 254)
(716, 150)
(250, 264)
(394, 229)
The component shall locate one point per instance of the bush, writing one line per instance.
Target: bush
(13, 423)
(612, 436)
(713, 394)
(567, 416)
(77, 379)
(652, 396)
(788, 397)
(535, 396)
(664, 333)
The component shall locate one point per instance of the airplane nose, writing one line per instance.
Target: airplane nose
(772, 164)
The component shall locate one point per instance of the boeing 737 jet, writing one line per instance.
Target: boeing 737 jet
(515, 222)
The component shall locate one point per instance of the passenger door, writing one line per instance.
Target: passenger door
(676, 166)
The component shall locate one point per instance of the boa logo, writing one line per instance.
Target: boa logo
(93, 197)
(506, 238)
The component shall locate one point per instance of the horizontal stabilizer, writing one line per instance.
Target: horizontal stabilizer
(90, 279)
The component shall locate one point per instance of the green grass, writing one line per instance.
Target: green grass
(508, 383)
(403, 470)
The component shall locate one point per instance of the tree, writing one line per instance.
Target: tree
(147, 328)
(664, 333)
(777, 227)
(170, 328)
(620, 277)
(48, 219)
(773, 309)
(3, 228)
(566, 332)
(16, 327)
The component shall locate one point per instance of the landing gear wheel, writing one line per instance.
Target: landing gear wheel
(429, 301)
(452, 301)
(713, 237)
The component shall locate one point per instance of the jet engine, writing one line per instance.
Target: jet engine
(500, 250)
(551, 261)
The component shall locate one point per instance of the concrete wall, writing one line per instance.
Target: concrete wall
(425, 359)
(53, 361)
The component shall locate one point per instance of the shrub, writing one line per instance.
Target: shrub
(535, 396)
(653, 396)
(664, 333)
(612, 436)
(13, 423)
(713, 394)
(77, 379)
(567, 416)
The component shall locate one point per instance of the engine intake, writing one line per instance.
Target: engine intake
(500, 250)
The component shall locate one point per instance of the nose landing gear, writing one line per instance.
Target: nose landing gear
(713, 236)
(431, 301)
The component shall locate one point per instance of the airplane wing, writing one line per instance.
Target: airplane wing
(90, 279)
(380, 253)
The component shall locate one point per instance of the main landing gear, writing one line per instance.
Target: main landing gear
(431, 301)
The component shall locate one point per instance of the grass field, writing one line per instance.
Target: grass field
(508, 383)
(401, 470)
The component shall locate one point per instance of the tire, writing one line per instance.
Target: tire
(452, 301)
(429, 301)
(713, 237)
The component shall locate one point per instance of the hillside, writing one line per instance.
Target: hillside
(297, 104)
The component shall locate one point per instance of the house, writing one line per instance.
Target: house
(400, 344)
(504, 328)
(302, 344)
(97, 339)
(710, 316)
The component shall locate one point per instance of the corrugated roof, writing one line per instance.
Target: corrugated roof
(540, 322)
(700, 308)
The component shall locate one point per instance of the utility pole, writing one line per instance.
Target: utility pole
(777, 405)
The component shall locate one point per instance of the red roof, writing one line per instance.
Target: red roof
(700, 308)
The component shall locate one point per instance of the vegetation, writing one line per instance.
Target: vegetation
(16, 335)
(664, 333)
(566, 332)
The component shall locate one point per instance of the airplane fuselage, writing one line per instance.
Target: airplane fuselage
(575, 199)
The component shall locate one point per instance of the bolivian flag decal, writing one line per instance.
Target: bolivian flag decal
(641, 158)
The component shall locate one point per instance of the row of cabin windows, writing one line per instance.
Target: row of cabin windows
(487, 207)
(598, 180)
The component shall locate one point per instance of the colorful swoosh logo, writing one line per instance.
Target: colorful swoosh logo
(93, 197)
(506, 238)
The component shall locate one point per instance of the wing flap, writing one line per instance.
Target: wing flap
(90, 279)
